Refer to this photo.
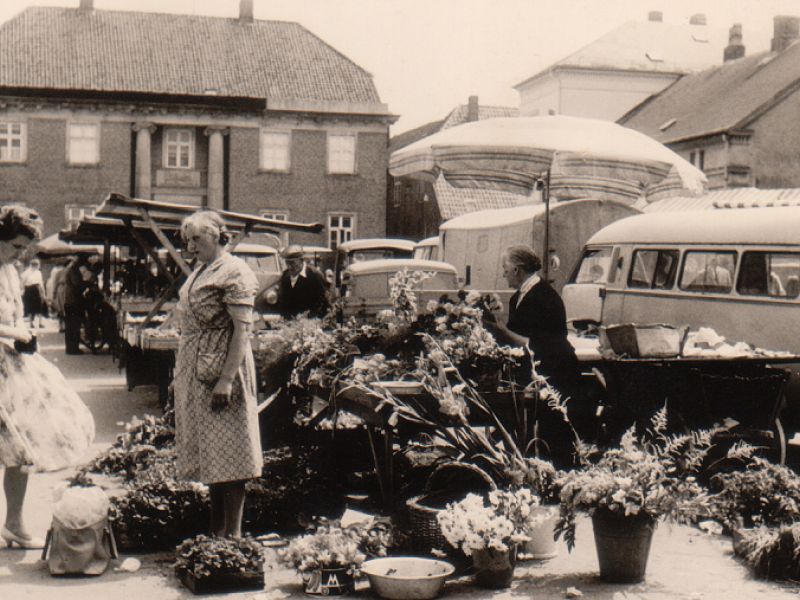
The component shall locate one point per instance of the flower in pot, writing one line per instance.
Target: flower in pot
(627, 489)
(327, 559)
(212, 564)
(488, 529)
(542, 478)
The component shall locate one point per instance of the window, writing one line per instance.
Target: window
(83, 143)
(708, 271)
(12, 142)
(73, 213)
(774, 274)
(275, 151)
(179, 149)
(278, 215)
(340, 229)
(341, 154)
(653, 269)
(594, 267)
(698, 158)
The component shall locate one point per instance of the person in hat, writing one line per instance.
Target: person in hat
(302, 288)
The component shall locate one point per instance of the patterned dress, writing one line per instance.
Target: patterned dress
(43, 423)
(215, 447)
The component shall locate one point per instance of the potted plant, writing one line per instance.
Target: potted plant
(628, 489)
(542, 478)
(212, 564)
(488, 529)
(327, 560)
(761, 494)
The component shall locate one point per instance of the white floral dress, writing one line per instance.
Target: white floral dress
(43, 423)
(215, 447)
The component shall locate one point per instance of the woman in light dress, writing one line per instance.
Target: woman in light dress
(217, 436)
(44, 425)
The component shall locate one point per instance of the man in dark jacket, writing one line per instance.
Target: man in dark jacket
(75, 284)
(302, 288)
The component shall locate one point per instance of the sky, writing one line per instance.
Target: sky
(429, 56)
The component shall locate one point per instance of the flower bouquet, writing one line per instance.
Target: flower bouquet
(211, 564)
(327, 559)
(629, 488)
(489, 529)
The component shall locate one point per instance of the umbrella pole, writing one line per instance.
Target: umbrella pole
(546, 249)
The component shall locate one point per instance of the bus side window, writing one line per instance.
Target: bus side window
(773, 274)
(708, 271)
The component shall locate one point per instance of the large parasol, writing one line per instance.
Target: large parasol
(572, 157)
(585, 158)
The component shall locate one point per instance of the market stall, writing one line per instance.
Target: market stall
(147, 338)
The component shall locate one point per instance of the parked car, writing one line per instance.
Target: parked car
(355, 251)
(365, 285)
(427, 249)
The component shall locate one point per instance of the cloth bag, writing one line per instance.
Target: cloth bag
(84, 551)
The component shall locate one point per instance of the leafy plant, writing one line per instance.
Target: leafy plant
(542, 478)
(328, 547)
(761, 494)
(205, 556)
(652, 475)
(773, 552)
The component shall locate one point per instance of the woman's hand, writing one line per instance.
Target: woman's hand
(221, 395)
(21, 334)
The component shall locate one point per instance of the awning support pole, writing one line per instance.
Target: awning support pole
(546, 252)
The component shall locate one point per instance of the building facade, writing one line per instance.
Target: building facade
(737, 122)
(240, 114)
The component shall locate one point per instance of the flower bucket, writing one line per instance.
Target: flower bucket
(541, 545)
(328, 582)
(494, 569)
(623, 545)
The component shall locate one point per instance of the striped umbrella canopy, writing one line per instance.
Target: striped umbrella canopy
(587, 158)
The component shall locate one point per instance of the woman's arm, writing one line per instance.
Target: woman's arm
(15, 333)
(237, 348)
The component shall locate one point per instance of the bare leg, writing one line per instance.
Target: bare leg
(15, 484)
(217, 497)
(234, 508)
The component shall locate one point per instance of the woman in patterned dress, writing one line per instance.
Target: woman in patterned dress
(217, 436)
(44, 425)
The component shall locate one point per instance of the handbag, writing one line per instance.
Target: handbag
(84, 551)
(208, 367)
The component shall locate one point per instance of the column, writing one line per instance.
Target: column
(216, 167)
(144, 178)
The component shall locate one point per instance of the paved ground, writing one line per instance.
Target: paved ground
(685, 564)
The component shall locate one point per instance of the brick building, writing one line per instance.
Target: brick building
(738, 121)
(238, 113)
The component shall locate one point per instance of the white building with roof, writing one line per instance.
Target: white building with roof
(614, 73)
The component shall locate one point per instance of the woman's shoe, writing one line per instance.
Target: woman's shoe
(26, 543)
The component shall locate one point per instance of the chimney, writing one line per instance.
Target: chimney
(698, 19)
(86, 5)
(246, 11)
(473, 112)
(735, 48)
(655, 16)
(786, 31)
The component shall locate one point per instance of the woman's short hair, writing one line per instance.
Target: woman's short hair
(17, 220)
(523, 257)
(206, 221)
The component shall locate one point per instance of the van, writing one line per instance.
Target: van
(734, 270)
(366, 288)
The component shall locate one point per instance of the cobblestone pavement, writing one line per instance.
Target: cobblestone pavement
(685, 564)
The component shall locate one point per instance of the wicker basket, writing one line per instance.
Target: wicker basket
(424, 526)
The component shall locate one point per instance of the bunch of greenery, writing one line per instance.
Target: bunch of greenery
(156, 516)
(761, 494)
(205, 556)
(773, 552)
(137, 446)
(652, 475)
(296, 484)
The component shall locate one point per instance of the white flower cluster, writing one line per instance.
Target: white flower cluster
(328, 547)
(497, 522)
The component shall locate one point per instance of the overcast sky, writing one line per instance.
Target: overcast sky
(428, 56)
